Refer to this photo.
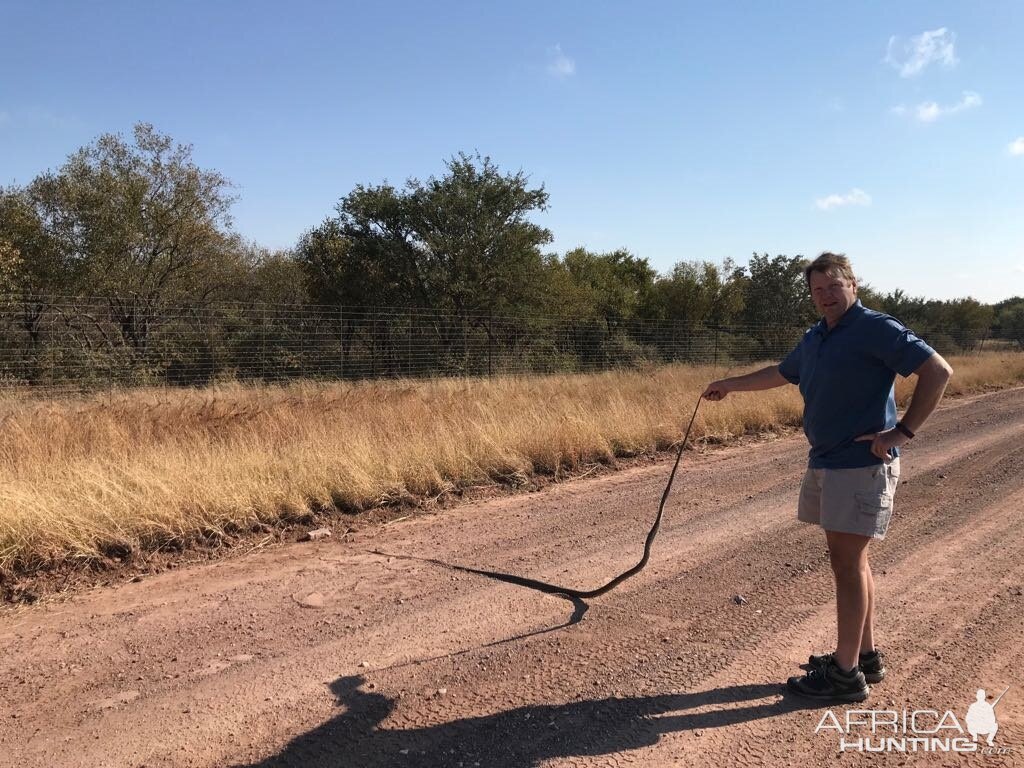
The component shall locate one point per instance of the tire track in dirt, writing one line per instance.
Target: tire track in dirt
(106, 678)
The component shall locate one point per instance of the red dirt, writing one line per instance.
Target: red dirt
(323, 654)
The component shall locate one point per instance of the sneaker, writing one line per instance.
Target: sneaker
(829, 682)
(872, 664)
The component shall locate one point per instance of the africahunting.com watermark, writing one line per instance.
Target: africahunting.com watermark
(917, 730)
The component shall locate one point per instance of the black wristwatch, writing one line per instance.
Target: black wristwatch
(905, 430)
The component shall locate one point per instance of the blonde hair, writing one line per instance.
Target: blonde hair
(831, 264)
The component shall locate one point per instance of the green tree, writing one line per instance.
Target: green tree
(967, 321)
(777, 292)
(699, 293)
(143, 226)
(609, 286)
(273, 277)
(869, 297)
(37, 262)
(598, 294)
(908, 310)
(462, 243)
(1010, 319)
(337, 275)
(777, 305)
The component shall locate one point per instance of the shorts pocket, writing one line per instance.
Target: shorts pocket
(876, 507)
(873, 502)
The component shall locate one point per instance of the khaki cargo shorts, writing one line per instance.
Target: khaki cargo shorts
(850, 500)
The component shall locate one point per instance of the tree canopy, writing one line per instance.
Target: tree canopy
(462, 242)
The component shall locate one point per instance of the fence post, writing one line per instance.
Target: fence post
(716, 344)
(373, 345)
(211, 341)
(514, 363)
(490, 344)
(263, 345)
(341, 341)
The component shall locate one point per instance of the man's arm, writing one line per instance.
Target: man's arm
(932, 376)
(766, 378)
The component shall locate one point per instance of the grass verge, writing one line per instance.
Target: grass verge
(90, 479)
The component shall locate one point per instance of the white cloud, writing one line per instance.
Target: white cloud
(560, 65)
(930, 111)
(854, 197)
(913, 56)
(1016, 146)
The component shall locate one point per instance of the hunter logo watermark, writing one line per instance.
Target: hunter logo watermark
(917, 730)
(981, 717)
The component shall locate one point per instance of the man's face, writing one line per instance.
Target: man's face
(832, 296)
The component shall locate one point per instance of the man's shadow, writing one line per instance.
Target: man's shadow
(519, 737)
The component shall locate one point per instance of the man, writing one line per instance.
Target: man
(845, 367)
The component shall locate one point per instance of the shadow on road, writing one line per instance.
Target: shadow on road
(519, 737)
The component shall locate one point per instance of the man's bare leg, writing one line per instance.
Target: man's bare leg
(867, 638)
(848, 553)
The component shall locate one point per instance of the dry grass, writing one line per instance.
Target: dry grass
(128, 472)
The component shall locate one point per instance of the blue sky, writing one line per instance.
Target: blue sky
(893, 131)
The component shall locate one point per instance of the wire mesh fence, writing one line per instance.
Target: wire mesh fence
(95, 343)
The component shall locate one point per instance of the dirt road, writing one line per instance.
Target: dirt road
(323, 654)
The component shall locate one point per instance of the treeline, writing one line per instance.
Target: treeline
(128, 249)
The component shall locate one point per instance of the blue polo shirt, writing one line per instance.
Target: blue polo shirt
(846, 377)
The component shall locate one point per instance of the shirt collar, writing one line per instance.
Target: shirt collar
(855, 311)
